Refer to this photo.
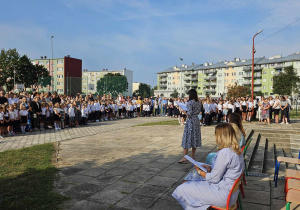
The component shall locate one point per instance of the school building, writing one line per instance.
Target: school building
(66, 74)
(214, 78)
(90, 79)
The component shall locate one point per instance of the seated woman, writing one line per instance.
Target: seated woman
(235, 118)
(235, 121)
(227, 166)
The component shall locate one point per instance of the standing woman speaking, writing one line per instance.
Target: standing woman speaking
(192, 133)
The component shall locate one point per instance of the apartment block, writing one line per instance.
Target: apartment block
(90, 79)
(214, 79)
(66, 74)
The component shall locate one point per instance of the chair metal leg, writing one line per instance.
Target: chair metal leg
(288, 206)
(276, 176)
(240, 203)
(244, 179)
(242, 190)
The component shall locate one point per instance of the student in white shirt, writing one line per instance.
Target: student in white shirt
(84, 114)
(24, 118)
(2, 127)
(71, 113)
(249, 109)
(11, 113)
(220, 111)
(43, 116)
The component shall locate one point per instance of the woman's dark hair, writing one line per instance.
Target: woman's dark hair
(236, 119)
(193, 95)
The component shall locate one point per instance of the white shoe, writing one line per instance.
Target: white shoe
(282, 123)
(1, 137)
(287, 123)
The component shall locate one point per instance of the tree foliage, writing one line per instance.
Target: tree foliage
(25, 72)
(174, 94)
(112, 84)
(237, 90)
(144, 91)
(286, 82)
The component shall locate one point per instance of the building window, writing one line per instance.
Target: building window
(264, 80)
(84, 83)
(271, 87)
(265, 72)
(60, 90)
(264, 87)
(47, 63)
(60, 69)
(272, 72)
(41, 62)
(272, 79)
(59, 83)
(60, 76)
(33, 63)
(60, 62)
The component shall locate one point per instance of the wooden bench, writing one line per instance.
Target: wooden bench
(289, 172)
(293, 196)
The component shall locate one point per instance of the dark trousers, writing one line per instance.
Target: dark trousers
(206, 119)
(156, 112)
(219, 115)
(254, 113)
(35, 121)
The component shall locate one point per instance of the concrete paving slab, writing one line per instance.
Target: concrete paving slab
(166, 205)
(84, 204)
(150, 190)
(162, 181)
(138, 202)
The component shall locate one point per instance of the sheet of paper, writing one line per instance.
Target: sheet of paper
(199, 164)
(182, 106)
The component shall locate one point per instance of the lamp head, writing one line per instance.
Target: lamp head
(259, 31)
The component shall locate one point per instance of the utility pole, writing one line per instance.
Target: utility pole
(52, 63)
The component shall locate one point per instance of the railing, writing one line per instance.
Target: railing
(163, 75)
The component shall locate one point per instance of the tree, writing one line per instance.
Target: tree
(25, 72)
(174, 94)
(237, 90)
(286, 82)
(112, 84)
(8, 64)
(144, 91)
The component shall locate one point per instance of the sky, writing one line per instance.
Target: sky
(149, 36)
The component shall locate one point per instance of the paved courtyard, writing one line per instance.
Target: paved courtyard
(118, 165)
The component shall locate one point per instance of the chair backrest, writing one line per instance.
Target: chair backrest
(234, 188)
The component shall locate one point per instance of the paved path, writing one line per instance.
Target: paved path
(47, 136)
(136, 168)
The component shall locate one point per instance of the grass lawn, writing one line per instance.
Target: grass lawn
(26, 179)
(293, 113)
(169, 122)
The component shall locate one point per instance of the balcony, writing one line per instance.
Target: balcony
(194, 85)
(278, 67)
(257, 75)
(249, 68)
(249, 82)
(187, 73)
(194, 73)
(194, 79)
(163, 79)
(186, 78)
(257, 89)
(163, 75)
(163, 86)
(212, 78)
(210, 90)
(211, 71)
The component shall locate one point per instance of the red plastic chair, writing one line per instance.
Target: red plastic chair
(234, 188)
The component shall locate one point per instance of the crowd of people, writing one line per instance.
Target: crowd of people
(23, 112)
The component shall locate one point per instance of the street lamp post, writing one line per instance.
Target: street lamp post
(14, 79)
(52, 62)
(68, 83)
(253, 51)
